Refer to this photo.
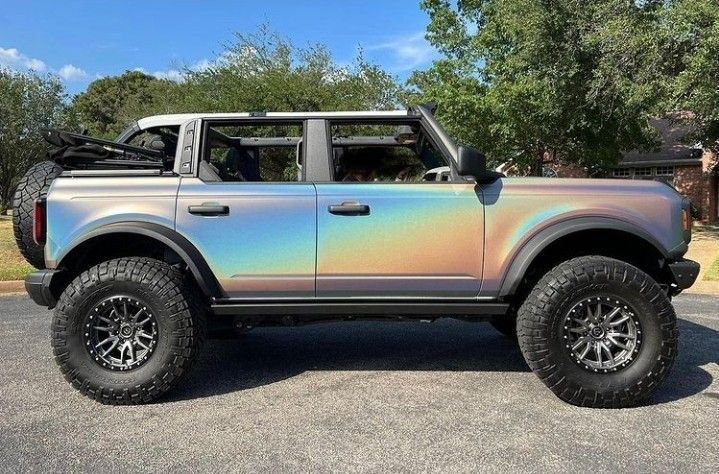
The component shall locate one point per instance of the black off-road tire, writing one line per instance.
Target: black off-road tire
(180, 317)
(541, 330)
(506, 325)
(35, 182)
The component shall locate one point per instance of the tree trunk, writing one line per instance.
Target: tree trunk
(535, 168)
(6, 192)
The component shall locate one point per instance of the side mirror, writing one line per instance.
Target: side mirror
(471, 162)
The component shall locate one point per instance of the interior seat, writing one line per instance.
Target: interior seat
(208, 173)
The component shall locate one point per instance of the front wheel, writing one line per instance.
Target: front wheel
(598, 332)
(127, 330)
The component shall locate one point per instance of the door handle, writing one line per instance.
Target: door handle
(349, 208)
(209, 209)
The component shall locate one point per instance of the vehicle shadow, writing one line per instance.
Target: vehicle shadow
(270, 355)
(698, 346)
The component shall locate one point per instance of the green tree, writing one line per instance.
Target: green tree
(265, 72)
(256, 72)
(27, 104)
(523, 79)
(690, 38)
(110, 103)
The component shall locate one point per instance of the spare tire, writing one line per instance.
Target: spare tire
(35, 182)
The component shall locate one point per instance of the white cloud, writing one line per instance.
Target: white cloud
(71, 73)
(409, 51)
(202, 64)
(178, 74)
(171, 74)
(14, 59)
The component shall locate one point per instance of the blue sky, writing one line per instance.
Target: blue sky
(82, 40)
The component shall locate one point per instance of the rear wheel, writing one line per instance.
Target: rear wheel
(598, 332)
(35, 182)
(126, 331)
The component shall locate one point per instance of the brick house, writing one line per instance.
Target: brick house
(693, 171)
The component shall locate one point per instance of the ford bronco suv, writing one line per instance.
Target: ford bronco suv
(197, 224)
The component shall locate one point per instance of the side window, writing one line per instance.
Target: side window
(251, 152)
(379, 151)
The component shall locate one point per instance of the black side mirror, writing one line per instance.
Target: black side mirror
(471, 162)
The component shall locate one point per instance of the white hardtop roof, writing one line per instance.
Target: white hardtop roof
(179, 119)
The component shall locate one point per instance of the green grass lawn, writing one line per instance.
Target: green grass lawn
(713, 271)
(12, 265)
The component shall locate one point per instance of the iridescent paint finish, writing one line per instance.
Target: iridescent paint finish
(265, 247)
(518, 208)
(418, 241)
(77, 206)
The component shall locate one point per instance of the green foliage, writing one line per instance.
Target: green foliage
(110, 103)
(689, 32)
(520, 79)
(525, 78)
(265, 72)
(27, 104)
(257, 72)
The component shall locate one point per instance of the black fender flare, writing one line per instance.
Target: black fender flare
(539, 241)
(169, 237)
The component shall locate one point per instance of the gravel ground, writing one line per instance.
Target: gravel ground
(447, 396)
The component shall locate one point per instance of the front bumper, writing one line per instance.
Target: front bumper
(684, 272)
(38, 286)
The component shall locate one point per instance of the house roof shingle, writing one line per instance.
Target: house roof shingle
(673, 148)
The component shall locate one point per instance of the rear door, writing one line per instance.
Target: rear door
(385, 231)
(248, 210)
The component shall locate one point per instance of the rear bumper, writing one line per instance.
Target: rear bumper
(38, 286)
(684, 272)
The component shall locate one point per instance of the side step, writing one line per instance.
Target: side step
(360, 308)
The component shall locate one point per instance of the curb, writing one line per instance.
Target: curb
(13, 286)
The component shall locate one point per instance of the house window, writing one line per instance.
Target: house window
(621, 173)
(643, 172)
(665, 171)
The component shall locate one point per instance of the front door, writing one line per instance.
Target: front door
(410, 241)
(388, 228)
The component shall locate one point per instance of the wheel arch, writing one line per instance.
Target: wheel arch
(156, 236)
(562, 234)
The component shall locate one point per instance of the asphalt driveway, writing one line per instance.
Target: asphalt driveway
(447, 396)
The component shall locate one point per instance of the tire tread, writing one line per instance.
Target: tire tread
(182, 301)
(534, 319)
(31, 186)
